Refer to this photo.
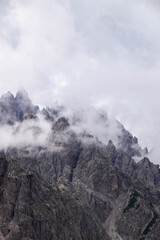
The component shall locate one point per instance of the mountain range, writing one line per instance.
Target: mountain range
(61, 178)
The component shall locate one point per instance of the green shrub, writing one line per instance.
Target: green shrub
(132, 201)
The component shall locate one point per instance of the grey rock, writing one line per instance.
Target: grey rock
(24, 105)
(32, 209)
(129, 144)
(13, 109)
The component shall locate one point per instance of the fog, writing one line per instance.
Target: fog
(104, 54)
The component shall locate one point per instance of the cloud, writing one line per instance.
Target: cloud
(94, 122)
(81, 53)
(28, 133)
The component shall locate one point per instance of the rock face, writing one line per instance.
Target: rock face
(8, 109)
(14, 108)
(129, 144)
(80, 188)
(32, 209)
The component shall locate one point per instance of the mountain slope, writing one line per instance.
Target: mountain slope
(32, 209)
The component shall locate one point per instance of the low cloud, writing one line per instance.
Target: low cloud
(94, 122)
(30, 132)
(88, 53)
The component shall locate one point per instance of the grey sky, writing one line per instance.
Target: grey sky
(97, 52)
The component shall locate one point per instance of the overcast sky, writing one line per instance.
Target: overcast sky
(104, 53)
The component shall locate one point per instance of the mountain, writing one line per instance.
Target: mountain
(14, 108)
(61, 180)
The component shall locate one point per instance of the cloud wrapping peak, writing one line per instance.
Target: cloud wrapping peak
(28, 133)
(103, 53)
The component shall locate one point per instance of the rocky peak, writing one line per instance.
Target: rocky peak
(46, 114)
(24, 104)
(110, 145)
(7, 109)
(111, 152)
(61, 125)
(22, 100)
(22, 95)
(128, 143)
(145, 161)
(14, 108)
(147, 172)
(7, 96)
(30, 116)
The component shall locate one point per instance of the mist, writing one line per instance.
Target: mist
(102, 54)
(27, 133)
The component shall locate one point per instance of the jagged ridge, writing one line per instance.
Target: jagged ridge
(117, 196)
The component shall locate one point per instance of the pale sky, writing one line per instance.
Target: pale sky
(104, 53)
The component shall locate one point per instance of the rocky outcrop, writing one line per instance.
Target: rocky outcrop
(61, 125)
